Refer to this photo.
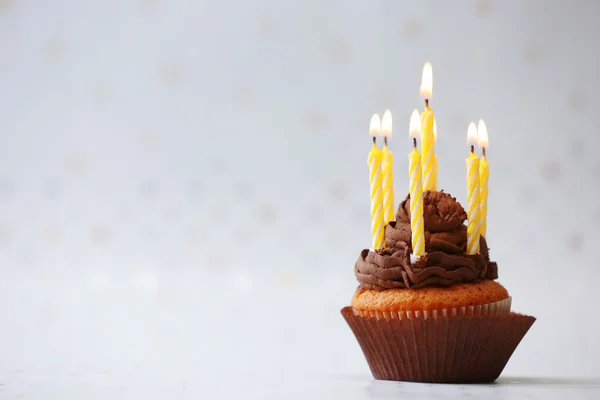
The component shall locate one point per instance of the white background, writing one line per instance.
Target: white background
(184, 188)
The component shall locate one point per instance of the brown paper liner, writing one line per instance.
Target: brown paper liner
(497, 308)
(462, 349)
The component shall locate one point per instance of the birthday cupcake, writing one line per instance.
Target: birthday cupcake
(428, 307)
(440, 318)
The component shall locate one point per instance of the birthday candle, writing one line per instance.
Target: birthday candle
(375, 179)
(416, 190)
(484, 174)
(427, 119)
(473, 227)
(387, 169)
(435, 158)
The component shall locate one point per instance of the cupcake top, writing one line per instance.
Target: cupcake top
(445, 263)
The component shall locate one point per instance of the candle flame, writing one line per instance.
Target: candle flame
(414, 127)
(375, 127)
(427, 81)
(472, 134)
(386, 123)
(434, 130)
(482, 135)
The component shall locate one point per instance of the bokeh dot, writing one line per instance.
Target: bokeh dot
(7, 189)
(337, 192)
(577, 101)
(596, 172)
(551, 171)
(172, 73)
(288, 279)
(484, 7)
(100, 235)
(77, 163)
(575, 241)
(268, 28)
(47, 312)
(314, 120)
(195, 236)
(52, 235)
(102, 95)
(386, 96)
(597, 217)
(148, 5)
(243, 97)
(267, 215)
(217, 259)
(168, 297)
(242, 236)
(339, 52)
(149, 143)
(53, 49)
(6, 235)
(219, 165)
(457, 124)
(531, 53)
(412, 29)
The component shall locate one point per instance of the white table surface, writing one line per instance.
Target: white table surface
(349, 387)
(121, 336)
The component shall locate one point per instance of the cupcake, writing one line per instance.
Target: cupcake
(441, 317)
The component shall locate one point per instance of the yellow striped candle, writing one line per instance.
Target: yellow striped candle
(417, 224)
(387, 169)
(375, 179)
(473, 227)
(484, 174)
(435, 158)
(427, 119)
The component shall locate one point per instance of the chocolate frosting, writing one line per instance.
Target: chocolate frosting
(445, 242)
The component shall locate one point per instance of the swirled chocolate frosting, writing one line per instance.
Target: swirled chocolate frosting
(445, 263)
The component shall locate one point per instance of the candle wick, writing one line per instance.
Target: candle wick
(385, 141)
(374, 140)
(483, 151)
(426, 102)
(415, 142)
(472, 149)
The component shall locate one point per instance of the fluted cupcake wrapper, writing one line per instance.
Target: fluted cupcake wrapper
(497, 308)
(461, 349)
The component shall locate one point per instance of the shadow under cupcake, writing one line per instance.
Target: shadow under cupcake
(441, 318)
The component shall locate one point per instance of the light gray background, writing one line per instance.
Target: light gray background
(184, 188)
